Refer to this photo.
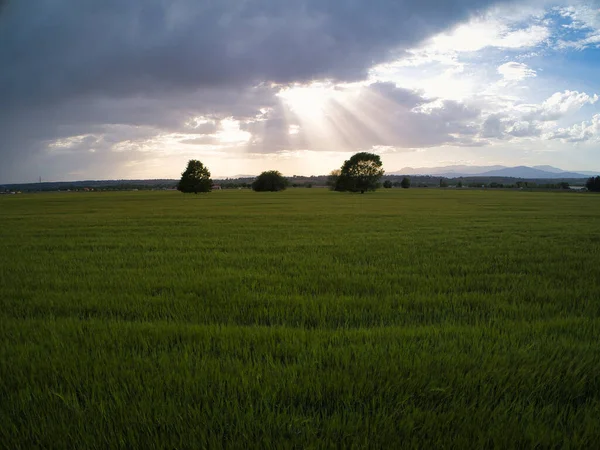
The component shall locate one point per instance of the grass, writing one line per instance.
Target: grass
(308, 319)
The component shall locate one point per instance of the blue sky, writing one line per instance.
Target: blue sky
(135, 89)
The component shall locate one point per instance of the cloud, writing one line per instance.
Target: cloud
(130, 84)
(363, 117)
(502, 127)
(71, 69)
(560, 104)
(458, 62)
(500, 28)
(480, 33)
(121, 48)
(522, 129)
(27, 134)
(204, 140)
(514, 71)
(494, 126)
(584, 131)
(539, 120)
(583, 26)
(247, 121)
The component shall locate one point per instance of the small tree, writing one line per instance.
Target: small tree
(196, 178)
(360, 173)
(387, 184)
(405, 183)
(271, 180)
(593, 184)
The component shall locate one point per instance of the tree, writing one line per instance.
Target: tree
(360, 173)
(196, 178)
(271, 180)
(593, 184)
(405, 183)
(387, 184)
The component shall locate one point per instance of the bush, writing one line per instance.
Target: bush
(387, 184)
(270, 181)
(405, 183)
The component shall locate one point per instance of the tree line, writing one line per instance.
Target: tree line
(361, 173)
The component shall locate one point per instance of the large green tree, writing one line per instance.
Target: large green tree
(360, 173)
(196, 178)
(270, 180)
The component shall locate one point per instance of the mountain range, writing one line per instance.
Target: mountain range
(456, 171)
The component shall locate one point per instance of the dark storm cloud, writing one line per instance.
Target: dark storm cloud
(71, 67)
(52, 50)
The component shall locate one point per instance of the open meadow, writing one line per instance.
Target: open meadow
(311, 319)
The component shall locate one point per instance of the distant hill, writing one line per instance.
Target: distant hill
(551, 169)
(445, 171)
(530, 172)
(536, 172)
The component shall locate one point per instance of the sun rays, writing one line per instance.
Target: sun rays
(307, 101)
(320, 122)
(339, 118)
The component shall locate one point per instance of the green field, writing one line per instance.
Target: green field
(311, 319)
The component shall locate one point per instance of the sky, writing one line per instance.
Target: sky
(130, 90)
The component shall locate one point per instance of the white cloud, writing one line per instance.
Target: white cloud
(514, 71)
(582, 16)
(72, 141)
(540, 120)
(522, 129)
(560, 104)
(455, 64)
(480, 33)
(585, 20)
(231, 133)
(584, 131)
